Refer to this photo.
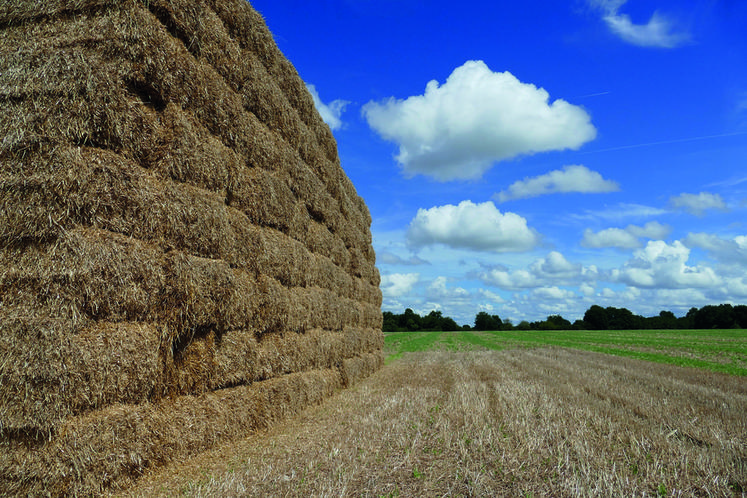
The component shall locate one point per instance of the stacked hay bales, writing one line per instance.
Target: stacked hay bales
(182, 258)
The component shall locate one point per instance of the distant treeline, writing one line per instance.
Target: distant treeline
(722, 316)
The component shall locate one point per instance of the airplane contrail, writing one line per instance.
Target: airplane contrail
(664, 142)
(592, 95)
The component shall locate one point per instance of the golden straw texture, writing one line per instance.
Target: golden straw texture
(182, 257)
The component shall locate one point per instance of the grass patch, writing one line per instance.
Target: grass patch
(723, 351)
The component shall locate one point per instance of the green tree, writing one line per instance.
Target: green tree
(524, 325)
(740, 315)
(448, 324)
(432, 321)
(390, 322)
(485, 321)
(620, 319)
(409, 320)
(596, 318)
(667, 320)
(715, 317)
(558, 322)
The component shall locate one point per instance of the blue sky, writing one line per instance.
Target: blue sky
(535, 158)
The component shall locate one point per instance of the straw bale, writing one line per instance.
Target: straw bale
(321, 241)
(326, 210)
(188, 153)
(200, 297)
(222, 113)
(111, 122)
(97, 275)
(95, 187)
(368, 292)
(203, 294)
(285, 259)
(60, 89)
(325, 206)
(206, 42)
(265, 199)
(299, 309)
(182, 257)
(299, 223)
(323, 273)
(25, 10)
(243, 358)
(110, 448)
(243, 67)
(64, 370)
(205, 36)
(356, 368)
(85, 274)
(247, 26)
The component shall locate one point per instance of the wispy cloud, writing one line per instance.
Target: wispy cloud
(331, 113)
(622, 211)
(388, 258)
(660, 31)
(666, 142)
(698, 204)
(731, 182)
(742, 103)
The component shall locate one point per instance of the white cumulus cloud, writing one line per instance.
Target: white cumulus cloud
(476, 118)
(479, 227)
(625, 238)
(697, 204)
(552, 293)
(509, 279)
(331, 113)
(555, 266)
(732, 251)
(440, 290)
(398, 284)
(662, 265)
(552, 270)
(659, 31)
(492, 296)
(575, 178)
(610, 237)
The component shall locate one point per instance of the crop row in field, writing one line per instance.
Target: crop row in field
(716, 350)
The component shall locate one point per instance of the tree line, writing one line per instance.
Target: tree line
(721, 316)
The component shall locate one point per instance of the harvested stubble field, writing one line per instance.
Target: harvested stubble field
(541, 421)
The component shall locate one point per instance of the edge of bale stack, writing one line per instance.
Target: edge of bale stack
(182, 257)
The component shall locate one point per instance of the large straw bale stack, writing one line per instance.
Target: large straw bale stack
(182, 257)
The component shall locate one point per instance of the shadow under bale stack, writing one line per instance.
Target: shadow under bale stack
(182, 258)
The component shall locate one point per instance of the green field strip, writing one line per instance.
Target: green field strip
(409, 342)
(485, 342)
(722, 351)
(672, 360)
